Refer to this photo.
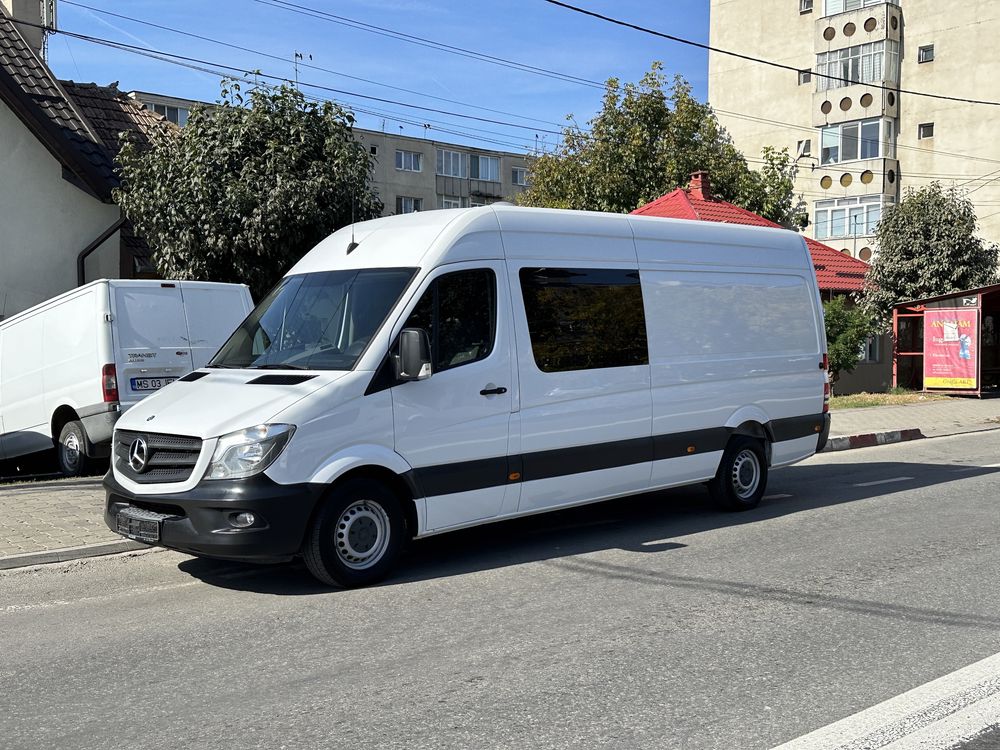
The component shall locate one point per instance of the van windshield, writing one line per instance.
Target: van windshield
(315, 321)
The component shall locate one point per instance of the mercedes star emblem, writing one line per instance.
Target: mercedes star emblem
(137, 455)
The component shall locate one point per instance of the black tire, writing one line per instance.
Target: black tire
(357, 534)
(742, 477)
(71, 450)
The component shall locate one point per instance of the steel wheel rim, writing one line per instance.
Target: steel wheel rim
(71, 450)
(745, 474)
(361, 536)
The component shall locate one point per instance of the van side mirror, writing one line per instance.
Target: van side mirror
(413, 360)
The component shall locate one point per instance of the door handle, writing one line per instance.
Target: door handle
(495, 391)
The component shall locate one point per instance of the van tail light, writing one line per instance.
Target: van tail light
(109, 384)
(826, 397)
(825, 364)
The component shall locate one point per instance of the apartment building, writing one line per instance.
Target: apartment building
(859, 141)
(417, 174)
(411, 174)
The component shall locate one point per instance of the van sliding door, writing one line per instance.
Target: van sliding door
(583, 369)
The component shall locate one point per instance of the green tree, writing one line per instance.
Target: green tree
(247, 187)
(646, 141)
(927, 246)
(847, 329)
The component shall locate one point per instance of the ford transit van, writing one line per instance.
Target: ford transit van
(418, 374)
(71, 365)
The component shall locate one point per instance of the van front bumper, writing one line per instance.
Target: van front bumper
(199, 521)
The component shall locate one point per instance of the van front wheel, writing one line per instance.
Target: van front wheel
(357, 534)
(742, 477)
(72, 450)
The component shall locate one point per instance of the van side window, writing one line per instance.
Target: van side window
(459, 312)
(584, 318)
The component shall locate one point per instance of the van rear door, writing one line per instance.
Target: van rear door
(213, 312)
(150, 337)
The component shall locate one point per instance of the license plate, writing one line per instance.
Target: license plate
(141, 525)
(150, 384)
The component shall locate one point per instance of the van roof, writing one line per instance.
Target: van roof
(429, 235)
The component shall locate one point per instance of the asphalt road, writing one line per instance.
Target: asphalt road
(652, 622)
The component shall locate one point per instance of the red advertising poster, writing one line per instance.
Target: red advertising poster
(951, 340)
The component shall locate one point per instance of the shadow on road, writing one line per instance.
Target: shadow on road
(645, 523)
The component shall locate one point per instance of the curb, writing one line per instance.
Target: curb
(847, 442)
(69, 553)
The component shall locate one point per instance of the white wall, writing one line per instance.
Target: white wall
(44, 223)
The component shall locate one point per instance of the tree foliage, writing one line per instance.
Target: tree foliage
(246, 187)
(646, 141)
(847, 329)
(927, 246)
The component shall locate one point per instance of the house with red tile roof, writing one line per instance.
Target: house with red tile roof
(58, 140)
(836, 272)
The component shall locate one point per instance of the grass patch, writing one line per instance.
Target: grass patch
(896, 397)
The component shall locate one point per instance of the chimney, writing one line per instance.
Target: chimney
(37, 12)
(700, 186)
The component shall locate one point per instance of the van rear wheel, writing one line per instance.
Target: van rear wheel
(741, 479)
(357, 534)
(72, 450)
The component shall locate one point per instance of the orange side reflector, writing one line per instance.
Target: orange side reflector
(514, 476)
(690, 449)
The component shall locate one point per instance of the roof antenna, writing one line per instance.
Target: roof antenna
(353, 245)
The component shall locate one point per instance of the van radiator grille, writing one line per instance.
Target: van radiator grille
(168, 458)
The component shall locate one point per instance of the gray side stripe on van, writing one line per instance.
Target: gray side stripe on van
(465, 476)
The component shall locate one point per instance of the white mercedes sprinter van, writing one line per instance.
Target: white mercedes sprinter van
(423, 373)
(70, 365)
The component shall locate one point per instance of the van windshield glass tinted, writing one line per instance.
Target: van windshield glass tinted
(316, 321)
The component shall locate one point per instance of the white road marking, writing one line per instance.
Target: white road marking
(991, 466)
(779, 496)
(99, 598)
(882, 481)
(939, 714)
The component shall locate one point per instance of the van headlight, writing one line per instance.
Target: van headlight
(247, 452)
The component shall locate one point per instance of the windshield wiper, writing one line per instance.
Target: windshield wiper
(226, 367)
(278, 367)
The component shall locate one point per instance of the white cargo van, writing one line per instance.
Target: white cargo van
(428, 372)
(71, 365)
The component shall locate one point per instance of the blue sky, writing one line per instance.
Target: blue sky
(527, 31)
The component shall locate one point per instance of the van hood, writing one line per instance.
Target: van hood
(222, 401)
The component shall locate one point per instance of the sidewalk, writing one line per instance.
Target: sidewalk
(931, 419)
(63, 519)
(53, 521)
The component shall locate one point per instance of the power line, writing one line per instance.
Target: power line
(301, 64)
(166, 56)
(751, 58)
(423, 42)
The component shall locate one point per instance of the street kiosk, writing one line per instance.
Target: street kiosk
(949, 343)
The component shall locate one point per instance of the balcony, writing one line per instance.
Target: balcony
(831, 8)
(858, 101)
(855, 179)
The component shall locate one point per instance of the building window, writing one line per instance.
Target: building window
(870, 351)
(519, 176)
(569, 322)
(485, 168)
(458, 311)
(925, 130)
(373, 150)
(408, 161)
(176, 115)
(925, 53)
(832, 7)
(874, 62)
(805, 6)
(805, 76)
(408, 205)
(848, 217)
(453, 201)
(804, 148)
(862, 139)
(451, 163)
